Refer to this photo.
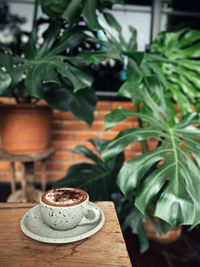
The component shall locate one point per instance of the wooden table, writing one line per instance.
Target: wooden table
(105, 248)
(28, 192)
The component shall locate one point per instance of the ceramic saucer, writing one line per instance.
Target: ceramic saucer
(32, 225)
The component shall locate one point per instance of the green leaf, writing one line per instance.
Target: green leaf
(112, 21)
(33, 81)
(130, 177)
(72, 12)
(116, 116)
(90, 16)
(68, 40)
(189, 37)
(81, 103)
(30, 49)
(49, 38)
(125, 138)
(54, 8)
(173, 58)
(134, 73)
(97, 178)
(133, 220)
(132, 44)
(82, 150)
(119, 114)
(79, 78)
(166, 178)
(5, 81)
(173, 184)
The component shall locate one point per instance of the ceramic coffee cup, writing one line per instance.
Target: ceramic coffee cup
(66, 208)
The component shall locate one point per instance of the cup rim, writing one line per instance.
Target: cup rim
(47, 203)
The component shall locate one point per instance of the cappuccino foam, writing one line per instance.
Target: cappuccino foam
(64, 196)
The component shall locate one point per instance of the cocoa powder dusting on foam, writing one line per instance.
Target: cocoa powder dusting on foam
(63, 195)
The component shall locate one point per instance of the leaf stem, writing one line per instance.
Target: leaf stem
(144, 143)
(35, 14)
(171, 133)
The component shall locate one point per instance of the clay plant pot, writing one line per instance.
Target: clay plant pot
(25, 128)
(165, 238)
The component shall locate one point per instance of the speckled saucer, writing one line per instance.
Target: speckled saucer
(32, 225)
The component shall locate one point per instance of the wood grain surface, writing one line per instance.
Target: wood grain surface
(105, 248)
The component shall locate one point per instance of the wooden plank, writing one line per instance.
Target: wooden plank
(16, 205)
(105, 248)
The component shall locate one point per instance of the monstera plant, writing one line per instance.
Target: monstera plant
(174, 58)
(167, 177)
(48, 67)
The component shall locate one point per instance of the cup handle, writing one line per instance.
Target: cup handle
(96, 212)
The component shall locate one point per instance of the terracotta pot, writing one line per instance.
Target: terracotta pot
(25, 128)
(171, 236)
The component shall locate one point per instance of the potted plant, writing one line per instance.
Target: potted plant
(162, 182)
(48, 67)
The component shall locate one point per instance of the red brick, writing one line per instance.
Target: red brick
(103, 105)
(123, 126)
(100, 115)
(4, 165)
(108, 135)
(65, 144)
(84, 135)
(97, 126)
(152, 145)
(63, 115)
(132, 118)
(131, 154)
(136, 146)
(5, 176)
(62, 155)
(127, 105)
(50, 176)
(57, 125)
(57, 165)
(56, 176)
(70, 125)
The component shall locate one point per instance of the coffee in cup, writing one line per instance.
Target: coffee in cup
(65, 208)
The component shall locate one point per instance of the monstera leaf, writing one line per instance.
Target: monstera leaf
(174, 58)
(5, 80)
(72, 10)
(97, 177)
(49, 66)
(168, 176)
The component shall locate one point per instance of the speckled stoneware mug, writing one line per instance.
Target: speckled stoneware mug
(66, 208)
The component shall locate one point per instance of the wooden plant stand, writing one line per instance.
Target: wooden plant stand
(28, 192)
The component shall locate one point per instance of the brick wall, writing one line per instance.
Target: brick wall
(69, 132)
